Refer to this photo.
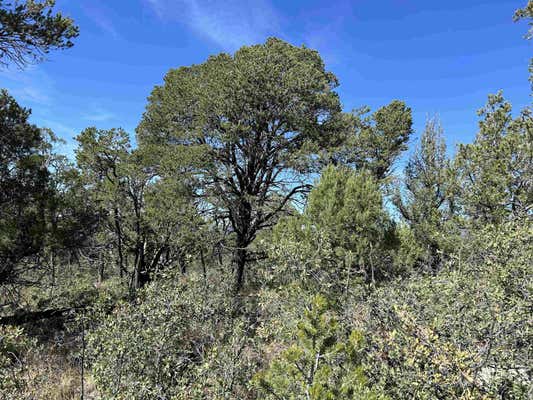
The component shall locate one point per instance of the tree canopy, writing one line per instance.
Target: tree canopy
(30, 29)
(23, 185)
(257, 118)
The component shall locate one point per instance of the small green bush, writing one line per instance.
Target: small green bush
(13, 347)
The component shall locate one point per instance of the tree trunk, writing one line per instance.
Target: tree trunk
(242, 225)
(101, 268)
(118, 230)
(240, 263)
(183, 265)
(142, 274)
(142, 277)
(202, 259)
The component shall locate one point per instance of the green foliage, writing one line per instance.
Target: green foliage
(350, 206)
(409, 251)
(426, 200)
(320, 365)
(152, 349)
(23, 187)
(72, 217)
(343, 232)
(13, 345)
(30, 369)
(227, 150)
(258, 118)
(227, 368)
(526, 12)
(149, 215)
(463, 333)
(496, 170)
(29, 29)
(375, 141)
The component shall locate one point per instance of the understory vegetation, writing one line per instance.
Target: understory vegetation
(255, 241)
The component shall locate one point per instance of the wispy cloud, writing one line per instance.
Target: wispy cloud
(158, 7)
(32, 94)
(99, 14)
(99, 115)
(229, 23)
(324, 26)
(65, 131)
(32, 86)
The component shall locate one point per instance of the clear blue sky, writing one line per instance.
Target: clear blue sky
(441, 57)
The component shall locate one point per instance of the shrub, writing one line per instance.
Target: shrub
(13, 346)
(154, 348)
(464, 332)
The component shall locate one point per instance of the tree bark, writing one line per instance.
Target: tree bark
(242, 224)
(118, 230)
(142, 274)
(240, 262)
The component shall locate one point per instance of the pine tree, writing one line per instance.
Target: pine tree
(29, 30)
(320, 364)
(426, 200)
(496, 170)
(375, 141)
(344, 232)
(349, 206)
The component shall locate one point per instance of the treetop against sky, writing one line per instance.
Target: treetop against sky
(439, 58)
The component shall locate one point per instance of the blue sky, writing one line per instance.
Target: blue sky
(441, 57)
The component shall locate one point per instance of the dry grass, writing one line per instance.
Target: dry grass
(48, 374)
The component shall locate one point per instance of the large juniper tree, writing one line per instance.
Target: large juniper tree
(258, 118)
